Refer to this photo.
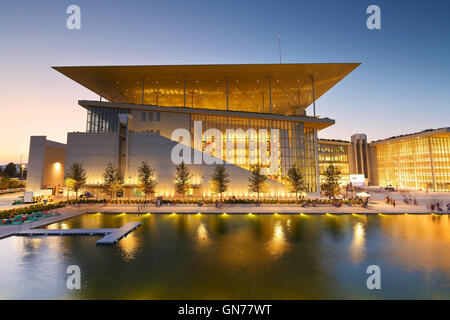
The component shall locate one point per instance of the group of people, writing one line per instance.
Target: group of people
(389, 200)
(409, 200)
(435, 207)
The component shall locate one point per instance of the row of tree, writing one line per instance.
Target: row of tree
(112, 182)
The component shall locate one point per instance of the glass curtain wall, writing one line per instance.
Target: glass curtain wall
(421, 163)
(296, 143)
(337, 155)
(104, 119)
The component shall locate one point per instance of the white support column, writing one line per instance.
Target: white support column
(270, 95)
(313, 96)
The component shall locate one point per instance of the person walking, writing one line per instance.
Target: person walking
(393, 203)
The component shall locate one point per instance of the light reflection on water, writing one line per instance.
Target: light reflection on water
(235, 257)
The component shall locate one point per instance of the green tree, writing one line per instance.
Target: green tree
(331, 184)
(182, 179)
(4, 183)
(147, 182)
(10, 170)
(220, 180)
(296, 180)
(76, 178)
(257, 180)
(112, 182)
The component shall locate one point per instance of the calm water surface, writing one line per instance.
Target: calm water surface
(235, 257)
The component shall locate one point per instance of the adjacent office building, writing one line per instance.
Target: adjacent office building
(418, 161)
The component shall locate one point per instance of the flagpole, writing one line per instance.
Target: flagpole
(279, 46)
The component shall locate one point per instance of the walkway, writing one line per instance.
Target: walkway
(111, 236)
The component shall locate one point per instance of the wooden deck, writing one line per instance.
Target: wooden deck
(110, 236)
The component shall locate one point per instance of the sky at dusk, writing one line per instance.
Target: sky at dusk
(402, 86)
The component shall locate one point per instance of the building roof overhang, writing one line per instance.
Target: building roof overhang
(267, 88)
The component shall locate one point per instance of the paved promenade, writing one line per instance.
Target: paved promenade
(375, 207)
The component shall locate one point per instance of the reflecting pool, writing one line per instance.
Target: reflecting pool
(198, 256)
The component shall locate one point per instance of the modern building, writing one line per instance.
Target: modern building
(418, 161)
(238, 114)
(338, 153)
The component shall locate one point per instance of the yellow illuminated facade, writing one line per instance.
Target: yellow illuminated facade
(334, 152)
(296, 143)
(419, 161)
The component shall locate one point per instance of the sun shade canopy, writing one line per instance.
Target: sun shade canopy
(268, 88)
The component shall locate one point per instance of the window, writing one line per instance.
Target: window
(150, 116)
(158, 116)
(142, 116)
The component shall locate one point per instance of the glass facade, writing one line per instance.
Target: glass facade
(104, 119)
(296, 143)
(419, 163)
(337, 155)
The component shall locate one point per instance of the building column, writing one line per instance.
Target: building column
(316, 146)
(313, 96)
(270, 94)
(157, 92)
(226, 80)
(184, 92)
(431, 162)
(142, 93)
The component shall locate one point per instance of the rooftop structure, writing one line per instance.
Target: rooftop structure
(286, 89)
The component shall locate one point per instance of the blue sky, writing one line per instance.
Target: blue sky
(402, 85)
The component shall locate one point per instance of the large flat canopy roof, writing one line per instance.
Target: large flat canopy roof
(271, 88)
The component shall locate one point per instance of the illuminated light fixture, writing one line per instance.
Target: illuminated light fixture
(199, 214)
(224, 214)
(276, 214)
(250, 214)
(174, 213)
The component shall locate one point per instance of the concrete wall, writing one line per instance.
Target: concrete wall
(45, 164)
(94, 151)
(374, 181)
(169, 121)
(156, 150)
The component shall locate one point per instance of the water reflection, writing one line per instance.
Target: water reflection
(357, 247)
(129, 247)
(277, 245)
(235, 257)
(202, 235)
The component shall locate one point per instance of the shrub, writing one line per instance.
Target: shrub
(5, 214)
